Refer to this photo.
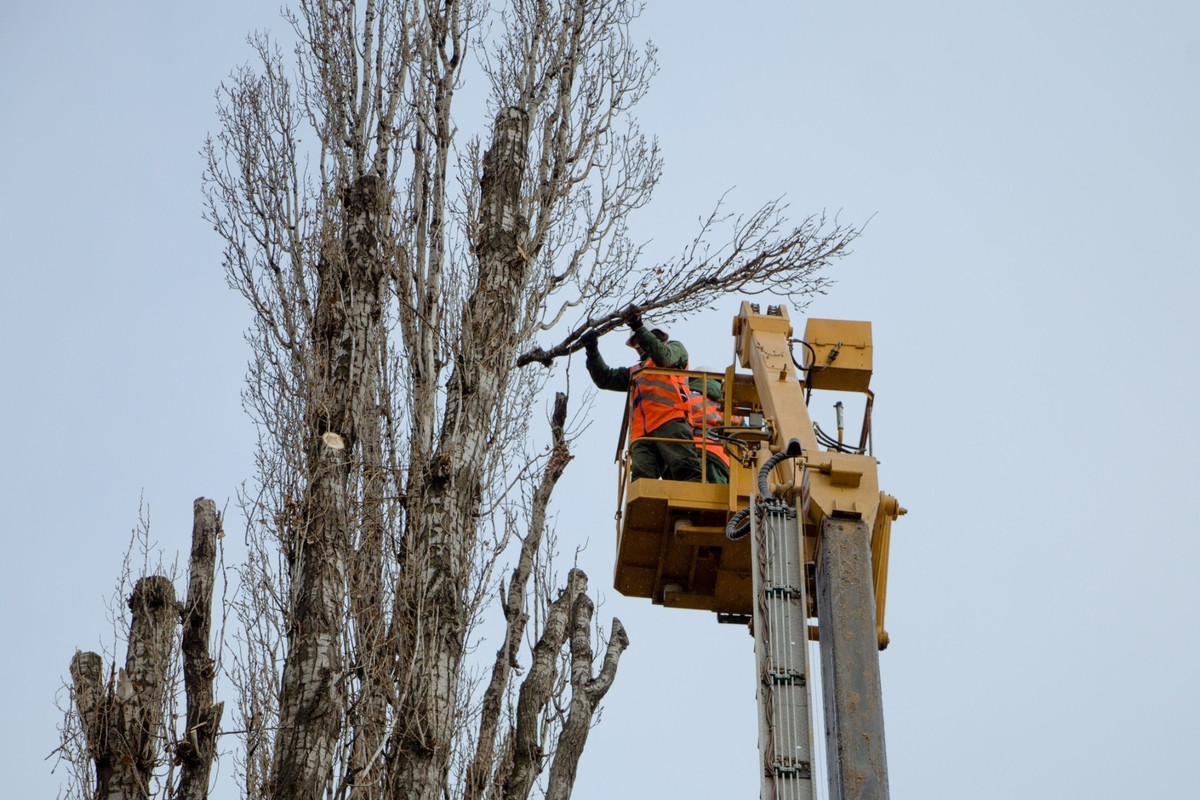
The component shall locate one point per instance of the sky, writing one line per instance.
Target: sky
(1027, 174)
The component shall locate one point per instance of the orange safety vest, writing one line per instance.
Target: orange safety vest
(657, 398)
(703, 413)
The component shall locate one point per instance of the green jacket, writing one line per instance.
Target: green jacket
(708, 386)
(669, 355)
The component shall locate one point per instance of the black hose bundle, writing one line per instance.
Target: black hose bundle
(732, 531)
(736, 529)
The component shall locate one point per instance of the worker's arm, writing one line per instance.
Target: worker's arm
(669, 355)
(612, 378)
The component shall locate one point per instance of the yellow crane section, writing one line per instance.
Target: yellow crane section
(800, 534)
(672, 545)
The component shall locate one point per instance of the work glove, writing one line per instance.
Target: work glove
(590, 343)
(633, 319)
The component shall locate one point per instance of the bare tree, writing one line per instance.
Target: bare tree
(400, 276)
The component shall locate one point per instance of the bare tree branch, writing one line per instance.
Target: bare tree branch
(586, 694)
(514, 607)
(538, 688)
(757, 259)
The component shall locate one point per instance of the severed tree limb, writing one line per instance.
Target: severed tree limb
(514, 607)
(573, 342)
(197, 746)
(758, 259)
(122, 721)
(586, 694)
(537, 689)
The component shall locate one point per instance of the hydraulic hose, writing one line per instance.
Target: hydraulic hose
(736, 528)
(764, 473)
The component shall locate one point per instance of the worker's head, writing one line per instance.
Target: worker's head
(636, 345)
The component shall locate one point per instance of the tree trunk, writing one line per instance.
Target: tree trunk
(197, 746)
(347, 325)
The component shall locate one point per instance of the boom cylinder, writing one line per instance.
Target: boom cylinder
(853, 693)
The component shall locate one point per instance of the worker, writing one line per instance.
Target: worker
(659, 403)
(706, 416)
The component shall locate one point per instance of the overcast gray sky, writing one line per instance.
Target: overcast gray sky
(1031, 176)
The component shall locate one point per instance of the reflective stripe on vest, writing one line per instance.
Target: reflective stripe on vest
(714, 448)
(657, 398)
(705, 413)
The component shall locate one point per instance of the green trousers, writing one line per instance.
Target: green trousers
(715, 470)
(678, 461)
